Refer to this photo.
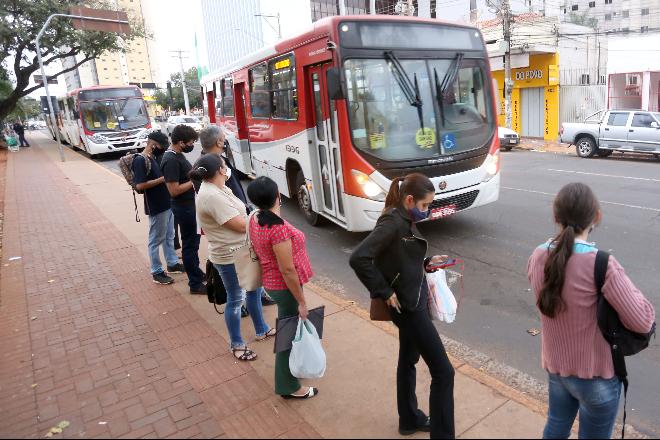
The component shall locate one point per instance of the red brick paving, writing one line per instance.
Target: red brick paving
(100, 341)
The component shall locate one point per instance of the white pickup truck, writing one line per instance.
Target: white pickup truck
(633, 131)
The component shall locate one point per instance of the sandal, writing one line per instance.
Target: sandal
(247, 356)
(269, 334)
(311, 392)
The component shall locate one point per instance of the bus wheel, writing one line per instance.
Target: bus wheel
(305, 200)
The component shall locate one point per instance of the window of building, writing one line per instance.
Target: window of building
(259, 91)
(575, 7)
(608, 2)
(592, 4)
(584, 79)
(626, 14)
(283, 88)
(625, 30)
(608, 17)
(227, 97)
(645, 29)
(645, 11)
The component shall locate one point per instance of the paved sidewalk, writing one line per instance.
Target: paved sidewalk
(546, 146)
(89, 339)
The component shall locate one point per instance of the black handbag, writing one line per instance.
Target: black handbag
(215, 289)
(622, 341)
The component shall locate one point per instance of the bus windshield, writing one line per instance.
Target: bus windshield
(385, 125)
(114, 115)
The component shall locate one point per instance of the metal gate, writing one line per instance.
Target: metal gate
(533, 112)
(578, 102)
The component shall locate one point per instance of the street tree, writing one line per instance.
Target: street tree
(178, 103)
(21, 21)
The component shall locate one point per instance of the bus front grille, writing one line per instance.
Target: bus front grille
(460, 202)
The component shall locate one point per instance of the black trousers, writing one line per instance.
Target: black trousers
(419, 337)
(22, 140)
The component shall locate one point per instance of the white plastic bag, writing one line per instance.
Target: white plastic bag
(442, 303)
(307, 360)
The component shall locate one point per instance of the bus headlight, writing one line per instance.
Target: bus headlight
(99, 139)
(370, 188)
(492, 165)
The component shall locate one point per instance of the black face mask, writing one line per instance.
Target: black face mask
(188, 148)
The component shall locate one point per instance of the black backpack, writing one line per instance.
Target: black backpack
(623, 342)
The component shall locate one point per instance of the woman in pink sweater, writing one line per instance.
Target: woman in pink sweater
(575, 353)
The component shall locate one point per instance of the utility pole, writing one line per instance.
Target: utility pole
(183, 78)
(473, 11)
(505, 14)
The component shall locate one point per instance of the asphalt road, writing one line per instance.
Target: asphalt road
(496, 241)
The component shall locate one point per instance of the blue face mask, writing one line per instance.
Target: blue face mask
(417, 215)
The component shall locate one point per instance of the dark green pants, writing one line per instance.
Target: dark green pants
(285, 383)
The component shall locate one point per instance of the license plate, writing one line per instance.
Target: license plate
(444, 211)
(513, 141)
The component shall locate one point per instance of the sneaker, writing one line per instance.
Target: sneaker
(201, 290)
(177, 268)
(162, 278)
(267, 300)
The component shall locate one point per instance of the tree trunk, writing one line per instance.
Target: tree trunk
(8, 105)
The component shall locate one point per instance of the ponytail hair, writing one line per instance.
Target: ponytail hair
(576, 209)
(206, 167)
(416, 185)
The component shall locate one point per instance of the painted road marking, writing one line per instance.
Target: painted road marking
(643, 208)
(605, 175)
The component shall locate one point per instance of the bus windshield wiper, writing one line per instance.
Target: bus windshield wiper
(409, 88)
(451, 74)
(447, 80)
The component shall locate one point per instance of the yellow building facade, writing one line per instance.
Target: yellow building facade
(133, 66)
(535, 97)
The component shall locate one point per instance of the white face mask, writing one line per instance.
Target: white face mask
(228, 173)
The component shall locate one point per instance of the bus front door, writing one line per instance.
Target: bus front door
(325, 153)
(243, 132)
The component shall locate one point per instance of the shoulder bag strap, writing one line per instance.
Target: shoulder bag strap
(619, 361)
(248, 240)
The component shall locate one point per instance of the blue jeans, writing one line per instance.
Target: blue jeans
(235, 299)
(161, 233)
(186, 218)
(597, 400)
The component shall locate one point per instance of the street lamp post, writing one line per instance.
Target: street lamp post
(43, 72)
(279, 25)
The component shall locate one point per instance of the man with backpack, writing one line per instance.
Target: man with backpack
(147, 178)
(175, 169)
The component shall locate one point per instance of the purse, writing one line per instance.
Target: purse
(247, 263)
(379, 310)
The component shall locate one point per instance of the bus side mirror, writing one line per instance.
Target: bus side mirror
(335, 89)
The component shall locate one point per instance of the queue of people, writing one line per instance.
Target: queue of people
(391, 263)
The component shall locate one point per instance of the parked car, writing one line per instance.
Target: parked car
(190, 121)
(633, 131)
(508, 138)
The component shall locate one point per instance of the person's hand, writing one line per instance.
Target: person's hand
(393, 302)
(436, 260)
(303, 312)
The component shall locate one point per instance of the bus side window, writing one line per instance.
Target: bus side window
(227, 97)
(260, 104)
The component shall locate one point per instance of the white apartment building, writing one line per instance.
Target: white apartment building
(634, 16)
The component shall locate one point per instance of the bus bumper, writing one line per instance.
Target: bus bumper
(363, 213)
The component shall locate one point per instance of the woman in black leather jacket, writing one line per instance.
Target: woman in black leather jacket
(391, 262)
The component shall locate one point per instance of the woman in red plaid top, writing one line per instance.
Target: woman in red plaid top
(285, 269)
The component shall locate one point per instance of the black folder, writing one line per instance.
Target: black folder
(286, 328)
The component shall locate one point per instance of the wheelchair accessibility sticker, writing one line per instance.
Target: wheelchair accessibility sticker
(448, 141)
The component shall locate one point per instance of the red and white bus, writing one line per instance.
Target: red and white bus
(103, 119)
(334, 114)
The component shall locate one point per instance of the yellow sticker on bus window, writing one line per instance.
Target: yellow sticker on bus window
(111, 125)
(97, 125)
(377, 141)
(425, 138)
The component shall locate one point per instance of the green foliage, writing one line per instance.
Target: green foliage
(21, 21)
(178, 102)
(583, 20)
(27, 108)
